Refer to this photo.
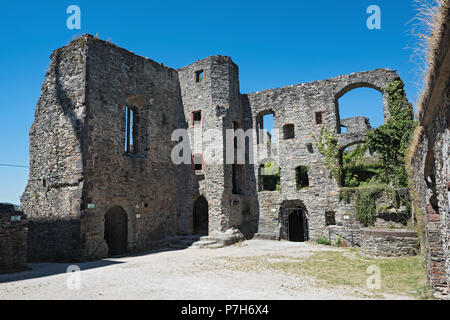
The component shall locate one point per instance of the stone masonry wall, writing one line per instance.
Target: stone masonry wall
(429, 162)
(80, 170)
(141, 182)
(52, 197)
(389, 243)
(298, 105)
(13, 240)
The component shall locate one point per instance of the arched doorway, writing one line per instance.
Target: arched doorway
(294, 221)
(200, 216)
(116, 231)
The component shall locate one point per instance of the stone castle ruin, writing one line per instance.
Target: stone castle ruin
(102, 181)
(429, 159)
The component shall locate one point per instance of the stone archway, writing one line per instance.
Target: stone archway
(295, 224)
(116, 231)
(200, 216)
(375, 79)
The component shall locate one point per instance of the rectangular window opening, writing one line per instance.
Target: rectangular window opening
(288, 131)
(199, 76)
(301, 176)
(130, 130)
(197, 118)
(319, 117)
(330, 218)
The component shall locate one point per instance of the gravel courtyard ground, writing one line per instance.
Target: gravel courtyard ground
(242, 271)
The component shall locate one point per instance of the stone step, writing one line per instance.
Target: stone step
(204, 243)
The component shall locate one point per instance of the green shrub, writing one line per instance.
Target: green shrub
(324, 241)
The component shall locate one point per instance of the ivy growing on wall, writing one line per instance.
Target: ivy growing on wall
(329, 147)
(390, 140)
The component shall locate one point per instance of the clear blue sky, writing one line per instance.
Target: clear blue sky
(274, 43)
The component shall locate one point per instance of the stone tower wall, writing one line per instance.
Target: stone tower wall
(141, 182)
(52, 197)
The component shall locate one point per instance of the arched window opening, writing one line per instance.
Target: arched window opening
(362, 102)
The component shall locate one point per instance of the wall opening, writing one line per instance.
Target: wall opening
(269, 176)
(301, 177)
(296, 227)
(294, 218)
(116, 231)
(319, 117)
(199, 76)
(365, 101)
(265, 125)
(131, 130)
(196, 118)
(430, 181)
(288, 131)
(330, 218)
(200, 216)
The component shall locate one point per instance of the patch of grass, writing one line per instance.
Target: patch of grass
(345, 267)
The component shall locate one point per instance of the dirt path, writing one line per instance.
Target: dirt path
(178, 274)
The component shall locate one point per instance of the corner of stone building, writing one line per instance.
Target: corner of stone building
(53, 193)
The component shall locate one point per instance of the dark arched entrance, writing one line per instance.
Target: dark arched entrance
(294, 221)
(116, 227)
(297, 225)
(200, 216)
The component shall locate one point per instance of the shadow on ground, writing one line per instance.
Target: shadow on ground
(45, 269)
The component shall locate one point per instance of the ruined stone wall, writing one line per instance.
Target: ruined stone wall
(389, 243)
(298, 105)
(52, 196)
(13, 240)
(141, 182)
(80, 168)
(217, 98)
(429, 162)
(78, 165)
